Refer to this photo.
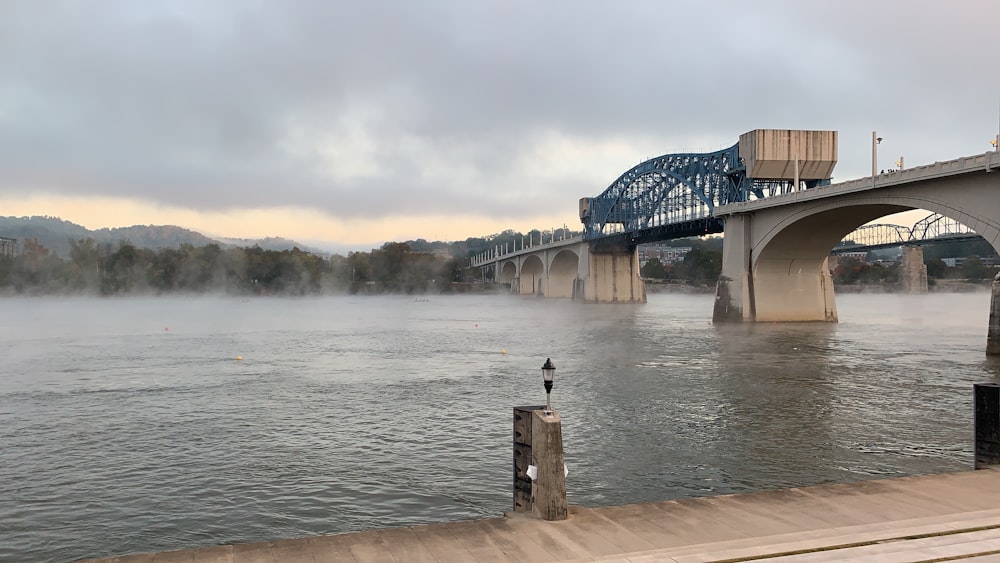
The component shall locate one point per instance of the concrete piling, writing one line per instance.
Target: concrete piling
(993, 335)
(986, 398)
(538, 443)
(548, 489)
(522, 457)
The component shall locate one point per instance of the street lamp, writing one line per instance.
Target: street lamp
(548, 374)
(876, 140)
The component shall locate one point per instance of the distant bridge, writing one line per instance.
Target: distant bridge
(932, 228)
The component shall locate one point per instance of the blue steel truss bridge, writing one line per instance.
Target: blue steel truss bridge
(675, 195)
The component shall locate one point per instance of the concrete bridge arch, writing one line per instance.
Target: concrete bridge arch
(774, 258)
(549, 272)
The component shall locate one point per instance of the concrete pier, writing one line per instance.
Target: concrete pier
(912, 270)
(952, 516)
(993, 334)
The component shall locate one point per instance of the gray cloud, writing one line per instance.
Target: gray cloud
(386, 107)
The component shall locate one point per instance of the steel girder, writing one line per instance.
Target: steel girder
(936, 225)
(663, 191)
(673, 195)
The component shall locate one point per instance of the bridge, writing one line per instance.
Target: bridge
(771, 196)
(932, 228)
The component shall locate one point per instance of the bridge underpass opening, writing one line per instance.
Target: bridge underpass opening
(788, 279)
(508, 272)
(562, 274)
(532, 274)
(791, 280)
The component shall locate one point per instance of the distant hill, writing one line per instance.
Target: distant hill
(269, 243)
(58, 235)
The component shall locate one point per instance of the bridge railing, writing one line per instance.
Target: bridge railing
(500, 252)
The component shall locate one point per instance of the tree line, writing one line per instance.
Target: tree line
(419, 266)
(123, 268)
(101, 268)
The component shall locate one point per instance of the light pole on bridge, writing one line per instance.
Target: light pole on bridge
(875, 143)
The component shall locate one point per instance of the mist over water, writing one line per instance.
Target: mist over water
(129, 425)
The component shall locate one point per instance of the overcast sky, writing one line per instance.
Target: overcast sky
(363, 122)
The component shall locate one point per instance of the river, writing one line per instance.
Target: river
(148, 424)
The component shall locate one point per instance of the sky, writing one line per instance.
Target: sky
(349, 124)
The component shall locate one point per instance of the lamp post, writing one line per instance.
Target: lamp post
(876, 140)
(548, 374)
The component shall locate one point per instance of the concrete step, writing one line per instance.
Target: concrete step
(913, 539)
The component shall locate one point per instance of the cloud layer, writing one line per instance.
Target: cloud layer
(477, 109)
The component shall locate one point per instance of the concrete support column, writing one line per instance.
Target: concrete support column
(986, 398)
(912, 270)
(548, 489)
(993, 335)
(782, 286)
(615, 278)
(734, 296)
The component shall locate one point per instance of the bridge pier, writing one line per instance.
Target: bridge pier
(993, 335)
(912, 270)
(734, 293)
(613, 277)
(787, 286)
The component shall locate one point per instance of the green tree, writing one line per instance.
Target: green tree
(936, 268)
(653, 269)
(703, 265)
(85, 255)
(973, 269)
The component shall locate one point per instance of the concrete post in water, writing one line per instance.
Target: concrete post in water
(548, 489)
(993, 335)
(986, 398)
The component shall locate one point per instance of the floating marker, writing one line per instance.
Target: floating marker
(503, 351)
(239, 358)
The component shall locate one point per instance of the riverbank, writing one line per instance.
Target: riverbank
(950, 516)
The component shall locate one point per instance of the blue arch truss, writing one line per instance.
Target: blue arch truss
(671, 196)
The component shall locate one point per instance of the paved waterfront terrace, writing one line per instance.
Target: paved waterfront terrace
(947, 517)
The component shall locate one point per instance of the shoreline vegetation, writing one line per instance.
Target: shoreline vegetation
(90, 268)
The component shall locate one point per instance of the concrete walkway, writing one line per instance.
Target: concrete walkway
(948, 517)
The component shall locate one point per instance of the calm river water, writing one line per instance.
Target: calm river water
(129, 425)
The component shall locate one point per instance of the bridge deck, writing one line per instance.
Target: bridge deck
(938, 517)
(981, 162)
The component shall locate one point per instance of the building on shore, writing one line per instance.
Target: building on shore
(8, 246)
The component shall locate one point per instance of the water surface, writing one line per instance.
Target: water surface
(129, 425)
